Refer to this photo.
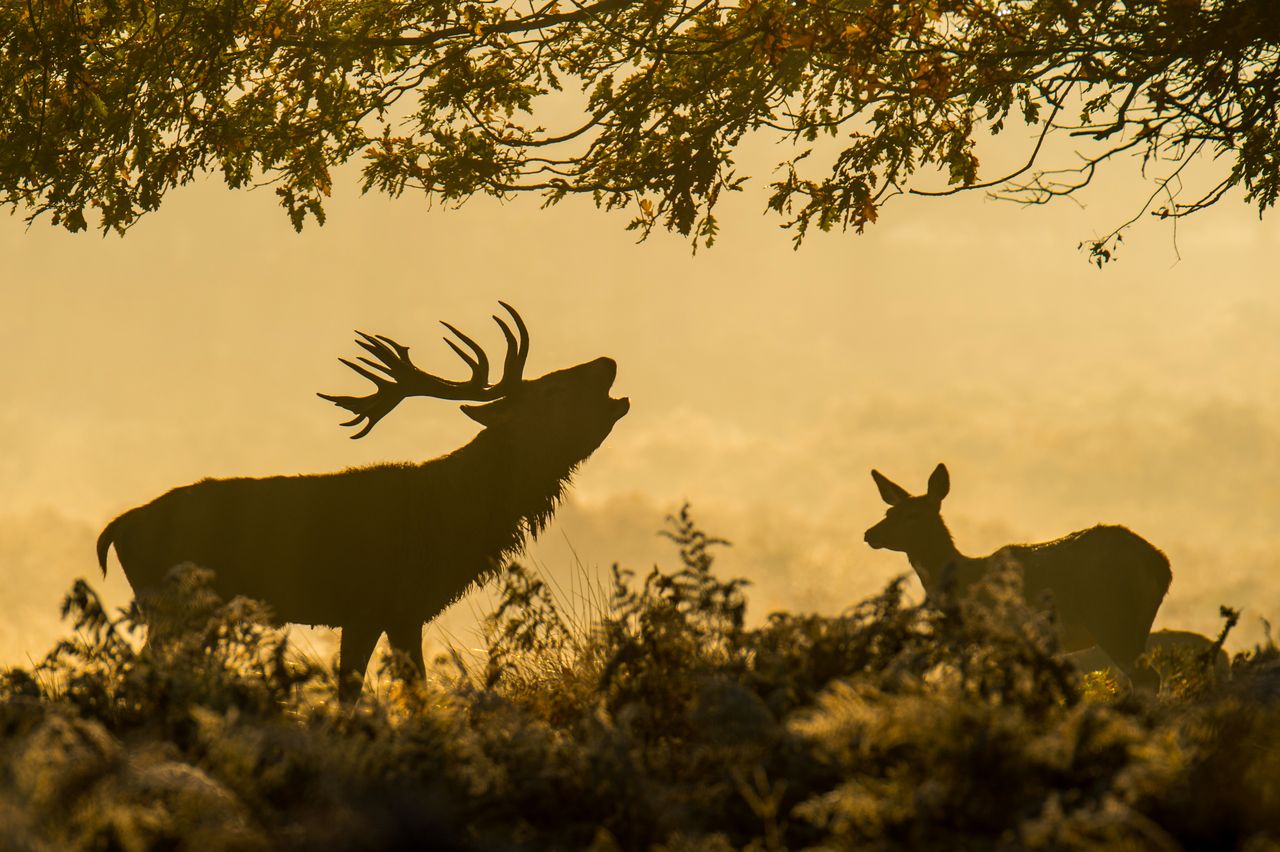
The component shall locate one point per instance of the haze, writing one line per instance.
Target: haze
(765, 383)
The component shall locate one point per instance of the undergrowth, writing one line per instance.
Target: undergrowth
(661, 722)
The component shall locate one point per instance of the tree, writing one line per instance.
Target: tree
(105, 105)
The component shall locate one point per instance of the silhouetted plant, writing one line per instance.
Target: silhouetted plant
(662, 720)
(200, 651)
(669, 629)
(526, 624)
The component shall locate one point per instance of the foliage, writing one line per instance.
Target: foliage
(640, 104)
(662, 722)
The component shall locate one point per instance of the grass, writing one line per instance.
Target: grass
(662, 722)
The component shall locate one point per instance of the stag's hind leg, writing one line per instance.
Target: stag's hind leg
(358, 642)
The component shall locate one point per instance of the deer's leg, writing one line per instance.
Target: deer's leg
(1074, 637)
(406, 639)
(1124, 642)
(358, 641)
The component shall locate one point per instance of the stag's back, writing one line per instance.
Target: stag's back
(313, 547)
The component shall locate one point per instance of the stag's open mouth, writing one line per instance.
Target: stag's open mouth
(608, 371)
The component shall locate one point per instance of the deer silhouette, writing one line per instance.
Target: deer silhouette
(1168, 653)
(1167, 648)
(1104, 583)
(386, 548)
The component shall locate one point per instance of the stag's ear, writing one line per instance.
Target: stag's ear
(890, 491)
(490, 414)
(939, 483)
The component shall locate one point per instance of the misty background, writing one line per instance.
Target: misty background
(765, 383)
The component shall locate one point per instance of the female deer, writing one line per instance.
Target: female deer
(1104, 583)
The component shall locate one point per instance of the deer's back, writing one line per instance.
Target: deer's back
(1078, 568)
(1184, 645)
(1100, 546)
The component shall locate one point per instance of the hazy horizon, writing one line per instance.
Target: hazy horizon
(765, 383)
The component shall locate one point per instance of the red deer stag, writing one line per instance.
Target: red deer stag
(388, 547)
(1105, 583)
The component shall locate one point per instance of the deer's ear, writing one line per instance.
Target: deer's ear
(489, 414)
(939, 483)
(890, 491)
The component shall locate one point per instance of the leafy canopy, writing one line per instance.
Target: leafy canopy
(641, 104)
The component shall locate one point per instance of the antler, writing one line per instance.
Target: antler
(399, 378)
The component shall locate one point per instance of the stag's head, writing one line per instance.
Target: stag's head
(567, 413)
(909, 519)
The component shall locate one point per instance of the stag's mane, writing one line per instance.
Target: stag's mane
(532, 522)
(513, 478)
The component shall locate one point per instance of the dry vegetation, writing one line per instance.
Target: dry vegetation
(661, 722)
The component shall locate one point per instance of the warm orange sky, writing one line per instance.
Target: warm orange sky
(765, 383)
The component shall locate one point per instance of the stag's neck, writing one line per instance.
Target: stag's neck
(934, 553)
(519, 487)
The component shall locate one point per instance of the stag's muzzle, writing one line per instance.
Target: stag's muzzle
(605, 371)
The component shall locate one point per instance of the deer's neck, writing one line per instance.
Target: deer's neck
(513, 488)
(932, 553)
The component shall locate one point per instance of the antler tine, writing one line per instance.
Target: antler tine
(373, 377)
(401, 351)
(354, 421)
(479, 364)
(524, 332)
(517, 351)
(386, 350)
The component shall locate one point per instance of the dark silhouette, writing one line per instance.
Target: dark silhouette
(387, 547)
(1167, 653)
(1105, 583)
(1164, 647)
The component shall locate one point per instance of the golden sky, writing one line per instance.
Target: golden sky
(765, 383)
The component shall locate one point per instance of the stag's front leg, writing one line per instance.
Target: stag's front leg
(407, 639)
(358, 641)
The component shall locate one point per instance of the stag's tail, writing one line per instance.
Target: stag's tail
(104, 544)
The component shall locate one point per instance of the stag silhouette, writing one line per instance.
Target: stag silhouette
(386, 548)
(1104, 583)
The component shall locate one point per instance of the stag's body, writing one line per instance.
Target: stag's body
(1104, 584)
(372, 549)
(387, 547)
